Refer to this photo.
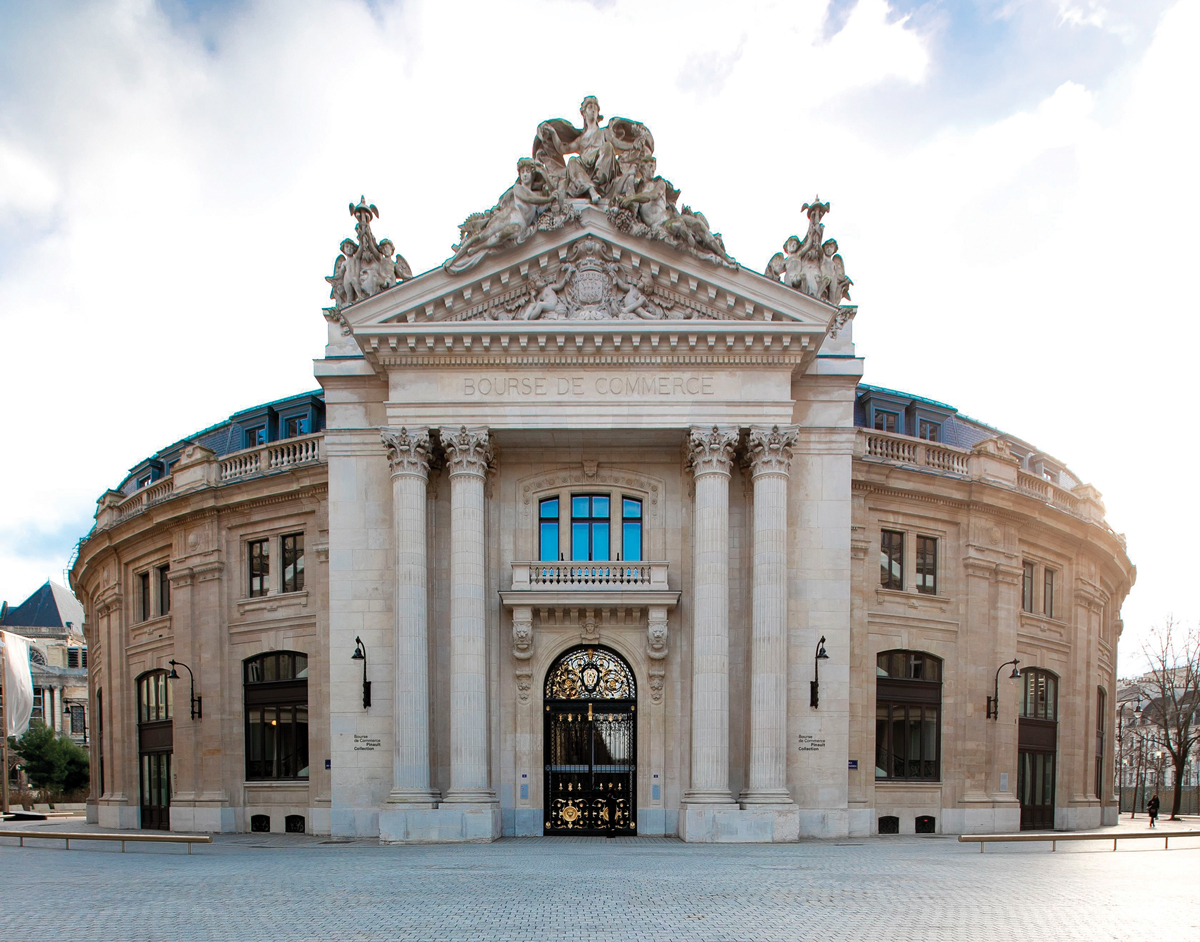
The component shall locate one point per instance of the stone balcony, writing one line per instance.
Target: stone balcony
(590, 584)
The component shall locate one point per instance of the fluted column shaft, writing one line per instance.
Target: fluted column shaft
(710, 456)
(770, 452)
(408, 455)
(468, 454)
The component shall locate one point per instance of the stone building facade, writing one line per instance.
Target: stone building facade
(592, 527)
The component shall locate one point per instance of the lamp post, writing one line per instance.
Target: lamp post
(1137, 714)
(814, 686)
(360, 654)
(196, 705)
(993, 702)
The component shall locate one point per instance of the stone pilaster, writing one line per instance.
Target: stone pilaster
(710, 455)
(408, 456)
(468, 454)
(770, 454)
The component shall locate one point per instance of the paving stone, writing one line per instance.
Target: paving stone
(299, 887)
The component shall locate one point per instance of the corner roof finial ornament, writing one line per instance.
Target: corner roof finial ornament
(365, 267)
(813, 266)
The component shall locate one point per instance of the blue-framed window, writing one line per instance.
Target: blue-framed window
(294, 425)
(548, 530)
(631, 529)
(590, 526)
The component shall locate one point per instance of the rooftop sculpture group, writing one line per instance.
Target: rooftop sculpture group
(812, 266)
(611, 167)
(365, 267)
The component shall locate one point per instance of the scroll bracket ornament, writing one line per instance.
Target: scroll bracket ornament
(522, 631)
(656, 651)
(408, 450)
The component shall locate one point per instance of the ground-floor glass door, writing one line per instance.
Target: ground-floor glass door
(156, 790)
(590, 743)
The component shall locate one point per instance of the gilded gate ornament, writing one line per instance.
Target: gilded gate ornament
(591, 673)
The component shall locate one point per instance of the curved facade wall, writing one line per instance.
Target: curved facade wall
(944, 560)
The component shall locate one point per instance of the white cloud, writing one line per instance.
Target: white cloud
(171, 195)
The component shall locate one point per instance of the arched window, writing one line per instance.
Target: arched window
(156, 738)
(1039, 694)
(155, 703)
(36, 656)
(276, 696)
(908, 704)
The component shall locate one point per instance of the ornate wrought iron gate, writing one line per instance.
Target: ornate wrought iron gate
(590, 744)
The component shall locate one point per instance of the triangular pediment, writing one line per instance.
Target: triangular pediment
(586, 274)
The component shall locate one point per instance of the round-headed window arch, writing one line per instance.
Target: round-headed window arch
(589, 672)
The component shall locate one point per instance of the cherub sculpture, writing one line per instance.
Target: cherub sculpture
(545, 301)
(636, 302)
(365, 267)
(812, 266)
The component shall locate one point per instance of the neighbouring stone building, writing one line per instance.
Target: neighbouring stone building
(593, 527)
(52, 619)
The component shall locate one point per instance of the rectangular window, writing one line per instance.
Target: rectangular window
(164, 590)
(548, 530)
(83, 657)
(292, 551)
(296, 425)
(260, 567)
(144, 481)
(631, 529)
(1101, 710)
(1027, 587)
(891, 559)
(930, 431)
(39, 712)
(1048, 594)
(906, 741)
(256, 436)
(77, 721)
(73, 657)
(927, 565)
(590, 523)
(143, 579)
(885, 421)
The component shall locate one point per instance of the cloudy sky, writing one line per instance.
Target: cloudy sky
(1013, 186)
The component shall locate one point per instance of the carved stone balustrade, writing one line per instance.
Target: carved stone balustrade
(613, 583)
(276, 456)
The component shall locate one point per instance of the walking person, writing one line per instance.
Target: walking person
(1152, 808)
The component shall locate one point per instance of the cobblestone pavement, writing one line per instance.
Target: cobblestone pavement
(292, 887)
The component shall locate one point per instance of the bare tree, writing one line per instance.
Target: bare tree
(1173, 686)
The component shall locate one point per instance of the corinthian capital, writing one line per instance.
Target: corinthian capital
(711, 449)
(468, 450)
(770, 449)
(407, 450)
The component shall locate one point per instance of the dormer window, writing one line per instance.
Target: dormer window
(296, 425)
(256, 436)
(930, 431)
(885, 421)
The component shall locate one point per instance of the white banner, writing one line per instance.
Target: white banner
(18, 683)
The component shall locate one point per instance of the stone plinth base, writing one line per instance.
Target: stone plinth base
(980, 817)
(214, 819)
(118, 817)
(729, 824)
(448, 824)
(1109, 816)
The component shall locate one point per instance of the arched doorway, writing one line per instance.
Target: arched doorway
(590, 743)
(155, 743)
(1037, 748)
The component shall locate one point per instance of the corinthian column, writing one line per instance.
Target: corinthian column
(770, 452)
(710, 455)
(468, 453)
(408, 455)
